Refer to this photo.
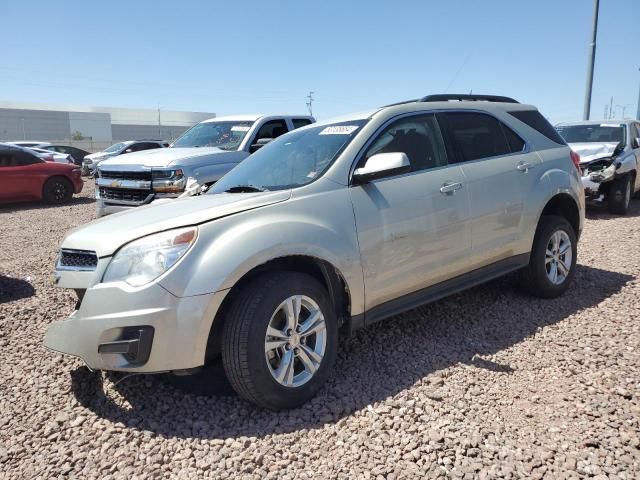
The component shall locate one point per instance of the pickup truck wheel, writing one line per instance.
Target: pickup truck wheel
(57, 190)
(619, 195)
(553, 257)
(280, 340)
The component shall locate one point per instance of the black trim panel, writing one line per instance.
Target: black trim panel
(440, 290)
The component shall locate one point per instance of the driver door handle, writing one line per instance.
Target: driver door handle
(524, 167)
(449, 188)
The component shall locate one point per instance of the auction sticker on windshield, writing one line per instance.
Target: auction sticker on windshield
(240, 128)
(339, 130)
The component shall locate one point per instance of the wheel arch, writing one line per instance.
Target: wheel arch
(322, 270)
(563, 205)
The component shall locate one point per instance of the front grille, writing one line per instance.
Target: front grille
(144, 175)
(80, 259)
(124, 194)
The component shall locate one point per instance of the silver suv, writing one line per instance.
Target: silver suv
(325, 230)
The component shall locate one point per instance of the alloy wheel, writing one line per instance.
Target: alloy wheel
(295, 341)
(558, 257)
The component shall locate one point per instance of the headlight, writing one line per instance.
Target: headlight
(168, 181)
(604, 174)
(144, 260)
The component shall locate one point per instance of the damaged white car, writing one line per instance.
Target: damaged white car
(195, 161)
(609, 160)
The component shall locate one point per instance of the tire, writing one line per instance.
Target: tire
(536, 278)
(619, 195)
(251, 368)
(57, 190)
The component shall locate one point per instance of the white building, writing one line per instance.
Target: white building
(98, 126)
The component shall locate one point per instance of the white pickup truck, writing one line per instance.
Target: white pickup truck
(195, 161)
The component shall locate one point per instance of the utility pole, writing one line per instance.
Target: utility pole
(24, 135)
(611, 108)
(605, 111)
(310, 100)
(638, 111)
(592, 58)
(159, 125)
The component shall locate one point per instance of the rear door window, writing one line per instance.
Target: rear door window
(476, 135)
(272, 129)
(300, 122)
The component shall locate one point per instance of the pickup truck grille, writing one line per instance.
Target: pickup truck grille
(77, 259)
(139, 175)
(124, 194)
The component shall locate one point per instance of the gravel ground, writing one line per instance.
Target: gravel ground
(488, 383)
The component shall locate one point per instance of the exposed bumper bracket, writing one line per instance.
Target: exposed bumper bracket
(135, 344)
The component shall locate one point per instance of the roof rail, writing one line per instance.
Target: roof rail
(445, 97)
(401, 103)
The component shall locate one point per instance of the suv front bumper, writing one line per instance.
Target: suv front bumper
(122, 328)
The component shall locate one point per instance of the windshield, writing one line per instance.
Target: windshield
(115, 148)
(292, 160)
(600, 133)
(224, 135)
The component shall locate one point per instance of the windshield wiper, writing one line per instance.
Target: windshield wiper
(245, 188)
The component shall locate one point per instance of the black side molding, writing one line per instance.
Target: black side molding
(438, 291)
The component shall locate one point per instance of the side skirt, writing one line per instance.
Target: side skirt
(438, 291)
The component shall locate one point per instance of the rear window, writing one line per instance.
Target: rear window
(535, 120)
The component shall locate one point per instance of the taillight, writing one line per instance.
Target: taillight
(575, 158)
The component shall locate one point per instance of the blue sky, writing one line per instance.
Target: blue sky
(265, 56)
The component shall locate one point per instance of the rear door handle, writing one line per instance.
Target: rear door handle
(524, 166)
(449, 188)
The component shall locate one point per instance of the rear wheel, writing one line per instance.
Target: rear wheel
(619, 195)
(57, 190)
(280, 340)
(553, 258)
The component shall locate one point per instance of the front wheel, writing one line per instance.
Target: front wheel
(57, 190)
(553, 258)
(620, 195)
(280, 340)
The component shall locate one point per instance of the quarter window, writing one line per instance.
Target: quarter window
(418, 137)
(476, 135)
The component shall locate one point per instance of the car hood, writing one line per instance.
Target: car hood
(592, 150)
(165, 157)
(105, 235)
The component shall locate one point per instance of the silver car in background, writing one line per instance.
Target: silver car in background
(327, 229)
(609, 159)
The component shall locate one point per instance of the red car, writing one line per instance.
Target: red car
(24, 176)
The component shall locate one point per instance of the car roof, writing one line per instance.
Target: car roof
(612, 121)
(17, 148)
(417, 106)
(251, 117)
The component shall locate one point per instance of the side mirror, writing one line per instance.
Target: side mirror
(635, 143)
(261, 142)
(382, 165)
(128, 150)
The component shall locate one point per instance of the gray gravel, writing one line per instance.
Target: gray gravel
(488, 383)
